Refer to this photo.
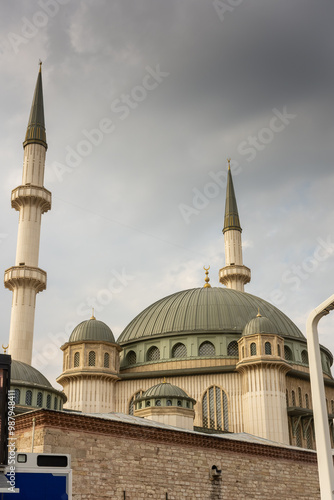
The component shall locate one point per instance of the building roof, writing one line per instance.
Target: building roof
(260, 324)
(209, 310)
(36, 125)
(92, 330)
(165, 390)
(23, 373)
(231, 219)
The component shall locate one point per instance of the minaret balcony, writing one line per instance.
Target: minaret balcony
(33, 277)
(241, 273)
(23, 195)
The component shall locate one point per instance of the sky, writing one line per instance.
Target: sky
(144, 102)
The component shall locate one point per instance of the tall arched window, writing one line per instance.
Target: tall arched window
(39, 399)
(232, 349)
(48, 401)
(215, 409)
(299, 441)
(293, 398)
(207, 349)
(106, 360)
(153, 354)
(304, 357)
(307, 403)
(253, 349)
(55, 403)
(287, 353)
(267, 348)
(28, 398)
(132, 401)
(179, 351)
(91, 358)
(17, 395)
(278, 350)
(76, 359)
(131, 358)
(300, 400)
(287, 398)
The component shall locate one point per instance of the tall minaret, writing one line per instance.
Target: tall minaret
(234, 275)
(31, 200)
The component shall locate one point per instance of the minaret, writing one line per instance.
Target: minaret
(31, 200)
(234, 275)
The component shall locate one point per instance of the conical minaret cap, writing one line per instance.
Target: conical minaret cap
(36, 126)
(231, 220)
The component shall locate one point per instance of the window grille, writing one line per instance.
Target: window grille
(106, 360)
(309, 441)
(293, 398)
(169, 402)
(233, 349)
(158, 402)
(215, 409)
(267, 348)
(91, 358)
(332, 406)
(17, 396)
(299, 442)
(287, 353)
(55, 403)
(300, 400)
(253, 349)
(39, 399)
(76, 359)
(131, 358)
(304, 357)
(207, 349)
(48, 401)
(28, 398)
(132, 401)
(179, 351)
(278, 350)
(307, 403)
(153, 354)
(287, 398)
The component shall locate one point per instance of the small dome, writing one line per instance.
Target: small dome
(165, 390)
(260, 324)
(93, 330)
(23, 373)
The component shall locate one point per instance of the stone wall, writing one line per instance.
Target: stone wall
(112, 457)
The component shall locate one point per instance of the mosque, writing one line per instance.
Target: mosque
(215, 360)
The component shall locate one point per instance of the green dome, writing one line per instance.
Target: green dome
(93, 330)
(205, 310)
(165, 390)
(23, 373)
(260, 324)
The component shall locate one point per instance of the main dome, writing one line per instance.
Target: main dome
(205, 310)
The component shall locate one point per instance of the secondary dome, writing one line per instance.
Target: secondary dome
(93, 330)
(165, 389)
(205, 310)
(21, 373)
(260, 324)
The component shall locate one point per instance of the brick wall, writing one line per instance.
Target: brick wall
(110, 457)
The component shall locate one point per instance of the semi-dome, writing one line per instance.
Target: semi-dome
(21, 373)
(92, 330)
(205, 310)
(260, 324)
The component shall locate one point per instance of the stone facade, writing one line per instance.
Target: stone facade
(110, 457)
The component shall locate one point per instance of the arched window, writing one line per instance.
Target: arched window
(287, 353)
(293, 398)
(287, 398)
(232, 349)
(309, 440)
(179, 351)
(132, 401)
(304, 357)
(158, 402)
(278, 350)
(106, 360)
(76, 359)
(39, 399)
(307, 403)
(131, 358)
(55, 403)
(48, 401)
(153, 354)
(267, 348)
(28, 398)
(91, 358)
(17, 395)
(215, 409)
(299, 441)
(300, 400)
(169, 402)
(253, 349)
(207, 349)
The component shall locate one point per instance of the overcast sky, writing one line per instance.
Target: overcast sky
(144, 101)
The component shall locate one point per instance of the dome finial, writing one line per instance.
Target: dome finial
(259, 315)
(92, 316)
(207, 279)
(5, 348)
(40, 65)
(164, 381)
(229, 161)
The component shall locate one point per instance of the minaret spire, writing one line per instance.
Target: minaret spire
(234, 275)
(31, 200)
